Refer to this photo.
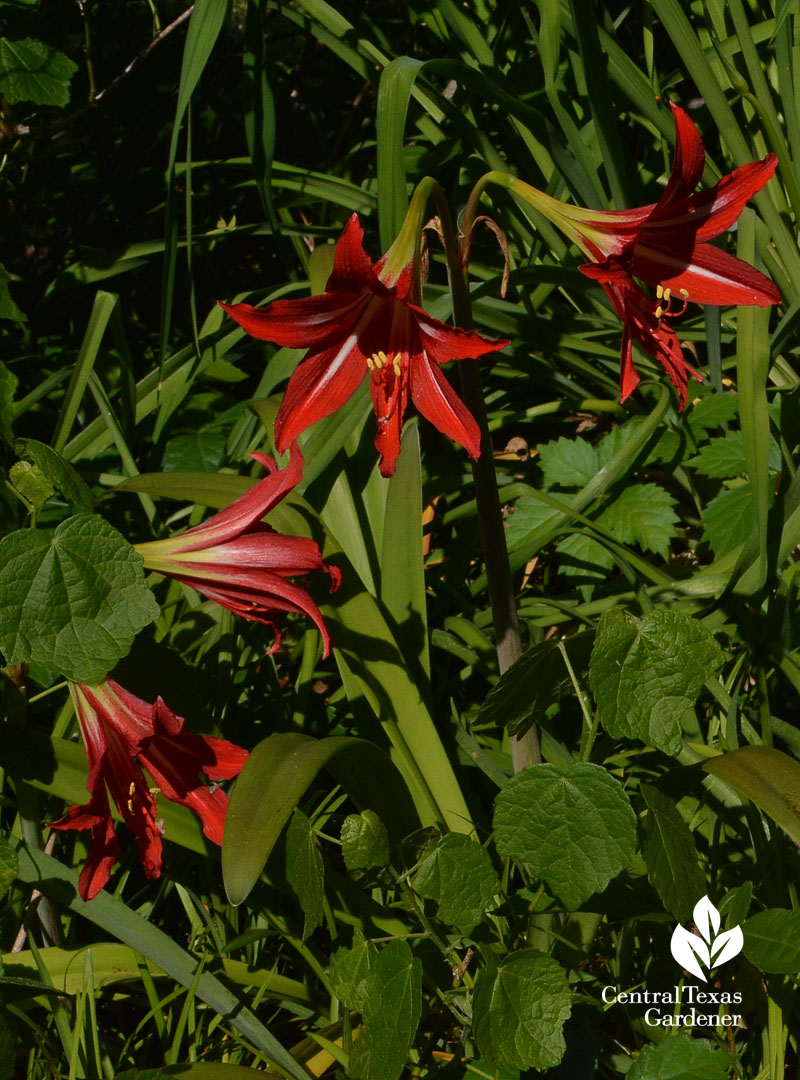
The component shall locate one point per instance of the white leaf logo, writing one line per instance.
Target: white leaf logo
(710, 950)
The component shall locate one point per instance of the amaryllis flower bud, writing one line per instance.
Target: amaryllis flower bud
(240, 562)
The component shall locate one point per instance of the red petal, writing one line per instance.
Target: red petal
(443, 343)
(710, 212)
(94, 815)
(438, 402)
(299, 324)
(687, 165)
(628, 376)
(246, 510)
(713, 276)
(256, 548)
(389, 401)
(352, 267)
(256, 595)
(176, 764)
(227, 758)
(319, 386)
(104, 853)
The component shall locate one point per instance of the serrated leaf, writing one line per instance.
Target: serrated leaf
(529, 514)
(519, 1010)
(772, 941)
(31, 483)
(573, 826)
(200, 451)
(30, 70)
(580, 556)
(458, 874)
(365, 841)
(8, 387)
(670, 855)
(723, 458)
(710, 413)
(8, 309)
(9, 865)
(305, 870)
(679, 1057)
(646, 673)
(385, 986)
(568, 462)
(73, 601)
(642, 514)
(59, 472)
(729, 518)
(534, 682)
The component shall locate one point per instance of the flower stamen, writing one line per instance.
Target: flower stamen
(379, 360)
(665, 308)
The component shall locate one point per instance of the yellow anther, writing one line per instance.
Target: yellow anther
(132, 789)
(396, 364)
(659, 291)
(685, 294)
(370, 363)
(667, 294)
(659, 310)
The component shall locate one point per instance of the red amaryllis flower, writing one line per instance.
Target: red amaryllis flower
(118, 729)
(368, 321)
(242, 563)
(666, 246)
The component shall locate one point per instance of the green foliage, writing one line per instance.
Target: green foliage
(678, 1057)
(385, 986)
(58, 472)
(767, 776)
(74, 601)
(651, 548)
(9, 865)
(8, 309)
(8, 386)
(275, 778)
(540, 818)
(520, 1008)
(729, 518)
(30, 70)
(646, 673)
(365, 842)
(670, 855)
(305, 870)
(535, 682)
(642, 514)
(202, 451)
(772, 941)
(31, 483)
(458, 874)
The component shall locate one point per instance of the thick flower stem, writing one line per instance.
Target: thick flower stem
(525, 749)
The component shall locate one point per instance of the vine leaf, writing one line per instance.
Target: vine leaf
(573, 826)
(519, 1010)
(30, 70)
(646, 673)
(74, 600)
